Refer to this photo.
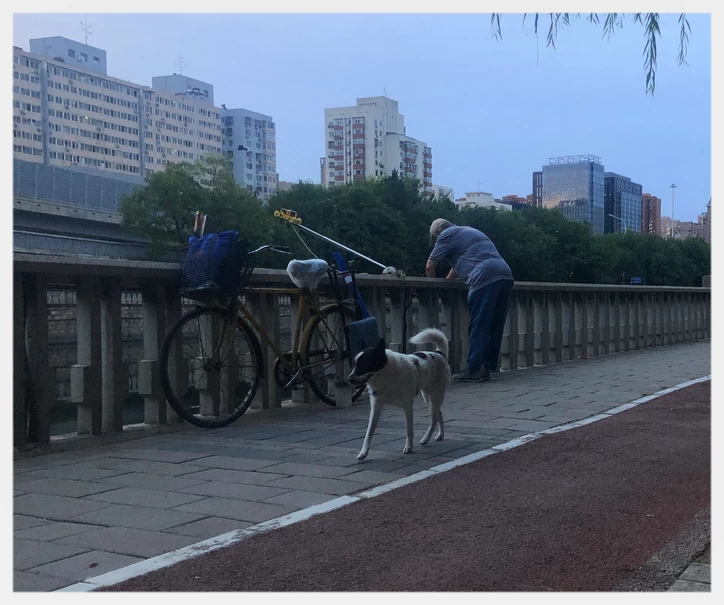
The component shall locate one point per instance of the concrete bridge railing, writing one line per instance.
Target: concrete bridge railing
(547, 323)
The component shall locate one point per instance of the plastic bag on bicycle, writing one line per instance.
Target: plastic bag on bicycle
(215, 265)
(307, 273)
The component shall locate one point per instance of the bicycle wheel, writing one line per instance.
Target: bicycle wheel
(325, 353)
(210, 367)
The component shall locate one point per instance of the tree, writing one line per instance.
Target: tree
(163, 211)
(612, 22)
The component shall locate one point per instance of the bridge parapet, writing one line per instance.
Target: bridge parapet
(122, 310)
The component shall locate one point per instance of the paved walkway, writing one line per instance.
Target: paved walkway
(696, 577)
(94, 509)
(614, 505)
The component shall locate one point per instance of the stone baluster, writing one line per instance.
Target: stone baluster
(86, 375)
(154, 329)
(114, 379)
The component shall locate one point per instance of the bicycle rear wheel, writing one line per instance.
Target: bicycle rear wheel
(210, 367)
(325, 353)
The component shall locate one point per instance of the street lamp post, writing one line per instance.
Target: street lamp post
(618, 218)
(673, 195)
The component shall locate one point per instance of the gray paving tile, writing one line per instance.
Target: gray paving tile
(300, 499)
(697, 572)
(25, 522)
(137, 517)
(149, 481)
(209, 527)
(54, 507)
(53, 531)
(26, 581)
(251, 452)
(75, 472)
(87, 565)
(248, 477)
(174, 457)
(128, 541)
(237, 491)
(29, 553)
(252, 512)
(318, 484)
(137, 496)
(309, 470)
(374, 477)
(234, 464)
(129, 465)
(689, 586)
(64, 487)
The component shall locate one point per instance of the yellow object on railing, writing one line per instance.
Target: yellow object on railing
(288, 215)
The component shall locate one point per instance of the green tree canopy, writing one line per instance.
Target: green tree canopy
(388, 219)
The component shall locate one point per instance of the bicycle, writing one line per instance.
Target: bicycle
(211, 362)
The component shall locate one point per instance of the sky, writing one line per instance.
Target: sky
(492, 111)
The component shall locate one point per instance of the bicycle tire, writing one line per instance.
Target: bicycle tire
(306, 354)
(169, 392)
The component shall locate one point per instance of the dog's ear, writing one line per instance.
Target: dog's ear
(381, 345)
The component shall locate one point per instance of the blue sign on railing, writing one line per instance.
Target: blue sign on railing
(636, 281)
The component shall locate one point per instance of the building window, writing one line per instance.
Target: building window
(71, 53)
(96, 60)
(83, 57)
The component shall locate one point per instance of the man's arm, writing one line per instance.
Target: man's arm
(452, 274)
(430, 267)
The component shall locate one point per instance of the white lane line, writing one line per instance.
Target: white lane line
(194, 550)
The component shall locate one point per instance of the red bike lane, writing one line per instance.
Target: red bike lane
(582, 510)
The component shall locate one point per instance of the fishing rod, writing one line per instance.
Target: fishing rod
(291, 217)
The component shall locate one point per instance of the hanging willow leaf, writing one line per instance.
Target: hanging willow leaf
(613, 21)
(495, 25)
(683, 38)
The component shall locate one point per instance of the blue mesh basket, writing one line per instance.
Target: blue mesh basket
(216, 265)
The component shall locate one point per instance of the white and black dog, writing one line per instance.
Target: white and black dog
(394, 379)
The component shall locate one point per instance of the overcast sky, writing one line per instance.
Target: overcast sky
(493, 112)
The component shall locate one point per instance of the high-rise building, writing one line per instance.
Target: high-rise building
(70, 52)
(74, 116)
(369, 140)
(249, 141)
(441, 191)
(650, 214)
(704, 222)
(178, 84)
(622, 199)
(537, 195)
(573, 185)
(481, 199)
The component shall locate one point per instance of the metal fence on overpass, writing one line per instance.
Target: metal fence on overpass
(41, 182)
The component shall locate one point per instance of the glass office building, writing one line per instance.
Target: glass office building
(573, 185)
(622, 199)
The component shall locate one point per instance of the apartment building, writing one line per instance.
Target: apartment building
(369, 140)
(481, 199)
(650, 214)
(68, 115)
(440, 191)
(249, 141)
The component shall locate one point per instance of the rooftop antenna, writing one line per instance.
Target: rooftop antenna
(179, 62)
(86, 29)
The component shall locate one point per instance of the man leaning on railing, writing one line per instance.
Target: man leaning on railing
(476, 260)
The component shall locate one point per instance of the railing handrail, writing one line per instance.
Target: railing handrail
(45, 263)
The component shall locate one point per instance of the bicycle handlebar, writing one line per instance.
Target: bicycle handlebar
(273, 248)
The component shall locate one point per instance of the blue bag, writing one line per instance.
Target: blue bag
(216, 265)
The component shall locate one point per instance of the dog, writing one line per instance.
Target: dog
(394, 378)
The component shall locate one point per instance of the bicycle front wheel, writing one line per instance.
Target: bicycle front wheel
(210, 367)
(325, 354)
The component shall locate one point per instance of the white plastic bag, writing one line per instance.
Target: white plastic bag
(307, 273)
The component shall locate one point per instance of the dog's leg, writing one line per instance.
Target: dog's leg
(408, 422)
(441, 432)
(375, 410)
(433, 419)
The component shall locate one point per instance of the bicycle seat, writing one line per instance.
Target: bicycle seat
(307, 273)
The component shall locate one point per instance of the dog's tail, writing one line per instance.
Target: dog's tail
(434, 336)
